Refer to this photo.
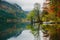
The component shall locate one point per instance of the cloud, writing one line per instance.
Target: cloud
(27, 4)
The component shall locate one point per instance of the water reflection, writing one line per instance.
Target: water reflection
(25, 35)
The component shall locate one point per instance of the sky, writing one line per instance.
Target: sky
(27, 4)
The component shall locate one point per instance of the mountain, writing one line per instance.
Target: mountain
(11, 16)
(26, 12)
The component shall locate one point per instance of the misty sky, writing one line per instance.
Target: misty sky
(27, 4)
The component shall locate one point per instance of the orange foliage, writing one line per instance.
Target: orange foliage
(50, 10)
(58, 13)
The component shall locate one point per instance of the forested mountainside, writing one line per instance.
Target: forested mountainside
(11, 16)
